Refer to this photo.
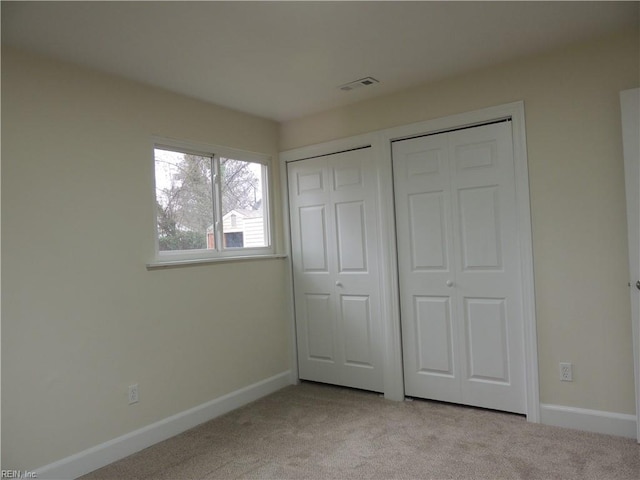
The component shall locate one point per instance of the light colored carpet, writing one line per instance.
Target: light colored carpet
(323, 432)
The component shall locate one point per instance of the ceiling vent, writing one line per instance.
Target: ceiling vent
(363, 82)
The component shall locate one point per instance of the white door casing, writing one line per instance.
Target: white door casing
(630, 110)
(459, 267)
(334, 247)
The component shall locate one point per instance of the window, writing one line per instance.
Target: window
(234, 239)
(210, 202)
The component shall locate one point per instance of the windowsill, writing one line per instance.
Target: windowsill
(159, 264)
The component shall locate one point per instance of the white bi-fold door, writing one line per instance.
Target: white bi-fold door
(334, 245)
(459, 267)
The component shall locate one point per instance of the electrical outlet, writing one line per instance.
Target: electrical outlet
(133, 394)
(566, 372)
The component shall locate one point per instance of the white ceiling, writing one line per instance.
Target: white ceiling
(283, 60)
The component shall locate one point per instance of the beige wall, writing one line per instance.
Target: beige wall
(577, 198)
(82, 318)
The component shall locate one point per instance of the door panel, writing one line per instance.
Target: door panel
(311, 181)
(352, 245)
(487, 339)
(320, 327)
(475, 154)
(458, 248)
(434, 335)
(334, 240)
(427, 231)
(313, 236)
(348, 176)
(357, 322)
(479, 228)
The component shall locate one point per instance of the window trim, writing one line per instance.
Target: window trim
(189, 257)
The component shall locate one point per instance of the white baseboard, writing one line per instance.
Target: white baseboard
(125, 445)
(597, 421)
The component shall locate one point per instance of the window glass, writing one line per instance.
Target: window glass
(242, 205)
(184, 200)
(209, 203)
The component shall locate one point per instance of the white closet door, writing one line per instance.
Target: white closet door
(459, 267)
(426, 267)
(334, 240)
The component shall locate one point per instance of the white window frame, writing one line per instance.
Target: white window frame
(179, 257)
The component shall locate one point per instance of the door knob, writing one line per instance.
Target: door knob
(449, 283)
(338, 284)
(638, 284)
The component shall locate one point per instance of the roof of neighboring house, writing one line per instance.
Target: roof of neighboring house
(241, 212)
